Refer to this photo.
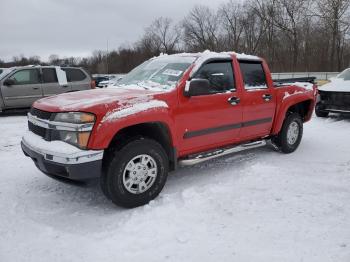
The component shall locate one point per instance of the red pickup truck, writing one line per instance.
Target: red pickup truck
(171, 110)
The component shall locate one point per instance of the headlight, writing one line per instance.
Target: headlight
(79, 139)
(75, 129)
(75, 117)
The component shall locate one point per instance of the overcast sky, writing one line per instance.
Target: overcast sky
(78, 27)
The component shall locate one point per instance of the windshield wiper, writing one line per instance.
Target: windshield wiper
(143, 86)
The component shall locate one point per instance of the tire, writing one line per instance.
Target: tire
(290, 135)
(136, 173)
(104, 187)
(320, 113)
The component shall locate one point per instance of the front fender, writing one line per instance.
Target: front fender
(105, 130)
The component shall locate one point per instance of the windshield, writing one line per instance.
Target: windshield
(161, 73)
(345, 75)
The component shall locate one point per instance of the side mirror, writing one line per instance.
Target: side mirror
(197, 87)
(9, 82)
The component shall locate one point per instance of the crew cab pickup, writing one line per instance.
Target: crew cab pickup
(170, 111)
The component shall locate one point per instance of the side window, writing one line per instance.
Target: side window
(253, 75)
(219, 74)
(49, 75)
(74, 74)
(26, 77)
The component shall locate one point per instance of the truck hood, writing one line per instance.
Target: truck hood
(336, 85)
(98, 101)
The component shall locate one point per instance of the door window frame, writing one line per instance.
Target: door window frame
(23, 69)
(218, 60)
(252, 88)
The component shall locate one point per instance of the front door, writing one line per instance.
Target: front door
(25, 90)
(210, 120)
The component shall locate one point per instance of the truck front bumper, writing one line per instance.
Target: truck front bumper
(58, 158)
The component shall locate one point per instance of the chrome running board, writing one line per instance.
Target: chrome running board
(201, 157)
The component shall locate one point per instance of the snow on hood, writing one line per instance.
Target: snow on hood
(86, 100)
(336, 85)
(134, 108)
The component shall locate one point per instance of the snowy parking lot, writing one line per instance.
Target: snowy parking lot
(259, 205)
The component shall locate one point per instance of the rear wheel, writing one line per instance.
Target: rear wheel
(136, 173)
(291, 133)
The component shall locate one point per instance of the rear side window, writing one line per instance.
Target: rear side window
(49, 75)
(74, 74)
(253, 75)
(26, 77)
(219, 74)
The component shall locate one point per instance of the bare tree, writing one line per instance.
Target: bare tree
(288, 17)
(334, 14)
(201, 29)
(253, 29)
(54, 59)
(266, 10)
(161, 36)
(231, 17)
(290, 34)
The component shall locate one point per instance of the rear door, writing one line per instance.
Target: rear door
(258, 101)
(208, 121)
(26, 89)
(51, 85)
(77, 79)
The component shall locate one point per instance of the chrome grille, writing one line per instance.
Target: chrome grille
(38, 130)
(40, 114)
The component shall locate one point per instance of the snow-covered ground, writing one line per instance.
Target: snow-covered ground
(255, 206)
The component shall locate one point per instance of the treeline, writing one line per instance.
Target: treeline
(292, 35)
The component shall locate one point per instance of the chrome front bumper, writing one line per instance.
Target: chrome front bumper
(61, 159)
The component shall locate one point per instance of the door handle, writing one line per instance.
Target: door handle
(234, 100)
(267, 97)
(35, 87)
(64, 86)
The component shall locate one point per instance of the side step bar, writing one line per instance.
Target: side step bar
(199, 158)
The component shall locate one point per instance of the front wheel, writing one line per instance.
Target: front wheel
(320, 113)
(290, 135)
(136, 173)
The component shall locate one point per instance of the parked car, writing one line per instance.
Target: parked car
(111, 80)
(99, 79)
(21, 86)
(334, 97)
(170, 111)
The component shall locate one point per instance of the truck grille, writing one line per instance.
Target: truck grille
(40, 114)
(38, 130)
(335, 99)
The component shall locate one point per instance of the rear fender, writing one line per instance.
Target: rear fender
(287, 103)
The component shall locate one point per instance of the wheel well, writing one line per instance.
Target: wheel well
(154, 130)
(301, 108)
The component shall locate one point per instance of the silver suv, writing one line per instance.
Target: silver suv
(21, 86)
